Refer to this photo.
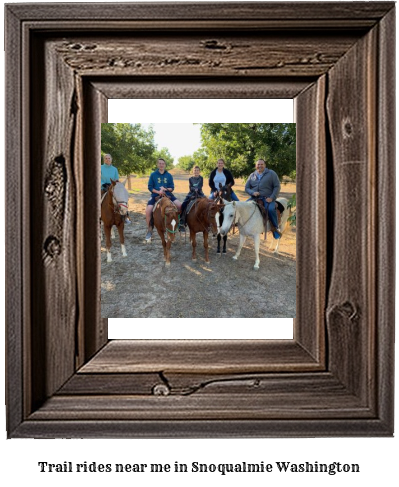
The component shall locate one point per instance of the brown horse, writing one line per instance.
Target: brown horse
(166, 221)
(202, 219)
(113, 209)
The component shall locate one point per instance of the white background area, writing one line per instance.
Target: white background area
(176, 113)
(378, 457)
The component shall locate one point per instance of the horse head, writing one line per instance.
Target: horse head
(225, 192)
(213, 217)
(229, 214)
(170, 216)
(120, 196)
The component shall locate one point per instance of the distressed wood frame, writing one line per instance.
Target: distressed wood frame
(64, 378)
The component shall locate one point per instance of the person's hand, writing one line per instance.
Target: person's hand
(269, 200)
(256, 194)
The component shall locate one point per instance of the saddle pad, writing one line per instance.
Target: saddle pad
(191, 204)
(156, 204)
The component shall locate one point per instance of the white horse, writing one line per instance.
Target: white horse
(247, 217)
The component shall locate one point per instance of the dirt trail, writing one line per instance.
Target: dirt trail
(141, 286)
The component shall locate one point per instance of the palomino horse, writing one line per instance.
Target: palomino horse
(246, 215)
(166, 220)
(224, 196)
(202, 218)
(114, 207)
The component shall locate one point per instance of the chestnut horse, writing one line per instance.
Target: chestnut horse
(202, 218)
(114, 207)
(166, 221)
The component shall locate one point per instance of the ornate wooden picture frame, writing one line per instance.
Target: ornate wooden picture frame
(64, 378)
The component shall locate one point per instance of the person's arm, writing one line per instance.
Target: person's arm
(200, 184)
(248, 188)
(151, 185)
(190, 185)
(276, 187)
(116, 174)
(229, 177)
(211, 185)
(171, 184)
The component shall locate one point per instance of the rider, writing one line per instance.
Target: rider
(108, 172)
(195, 184)
(160, 183)
(264, 184)
(221, 175)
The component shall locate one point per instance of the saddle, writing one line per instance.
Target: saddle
(265, 214)
(192, 202)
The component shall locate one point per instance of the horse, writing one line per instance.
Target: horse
(166, 218)
(202, 218)
(223, 196)
(114, 207)
(247, 216)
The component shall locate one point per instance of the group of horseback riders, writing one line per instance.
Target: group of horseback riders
(262, 185)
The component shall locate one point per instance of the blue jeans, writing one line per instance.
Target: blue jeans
(233, 196)
(154, 195)
(270, 207)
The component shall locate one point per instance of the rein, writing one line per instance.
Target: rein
(171, 209)
(243, 224)
(207, 229)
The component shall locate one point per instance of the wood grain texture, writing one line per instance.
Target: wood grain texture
(208, 11)
(351, 109)
(15, 258)
(241, 55)
(200, 356)
(386, 215)
(53, 208)
(174, 88)
(312, 218)
(65, 62)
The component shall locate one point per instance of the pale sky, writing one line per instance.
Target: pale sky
(182, 139)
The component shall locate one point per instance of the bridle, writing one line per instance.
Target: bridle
(235, 222)
(169, 210)
(208, 215)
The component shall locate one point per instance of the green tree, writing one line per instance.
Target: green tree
(186, 163)
(241, 144)
(131, 146)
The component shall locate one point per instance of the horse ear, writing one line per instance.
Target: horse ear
(124, 182)
(113, 182)
(220, 186)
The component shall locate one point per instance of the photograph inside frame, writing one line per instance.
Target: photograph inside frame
(198, 220)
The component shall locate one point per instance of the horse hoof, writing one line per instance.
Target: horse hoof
(235, 258)
(167, 263)
(194, 260)
(256, 268)
(124, 255)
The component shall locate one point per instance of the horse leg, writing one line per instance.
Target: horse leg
(161, 234)
(240, 245)
(206, 247)
(224, 244)
(107, 231)
(168, 245)
(194, 244)
(219, 239)
(122, 238)
(112, 232)
(256, 244)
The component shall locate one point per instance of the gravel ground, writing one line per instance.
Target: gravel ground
(141, 286)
